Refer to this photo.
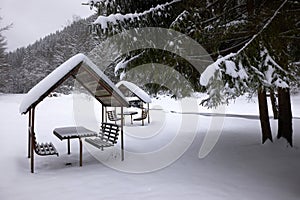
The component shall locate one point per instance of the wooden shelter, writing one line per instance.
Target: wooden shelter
(131, 90)
(89, 76)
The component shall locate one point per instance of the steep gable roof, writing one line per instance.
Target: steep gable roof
(126, 87)
(86, 73)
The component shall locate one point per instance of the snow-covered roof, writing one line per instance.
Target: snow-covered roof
(137, 91)
(86, 73)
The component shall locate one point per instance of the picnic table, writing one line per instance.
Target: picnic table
(73, 133)
(129, 113)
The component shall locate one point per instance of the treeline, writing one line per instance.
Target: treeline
(26, 66)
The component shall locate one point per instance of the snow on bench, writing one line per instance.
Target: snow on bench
(107, 137)
(43, 149)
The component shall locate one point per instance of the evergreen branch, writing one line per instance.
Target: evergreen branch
(119, 18)
(179, 17)
(231, 70)
(215, 18)
(6, 27)
(290, 37)
(265, 27)
(243, 38)
(212, 4)
(285, 33)
(256, 35)
(233, 47)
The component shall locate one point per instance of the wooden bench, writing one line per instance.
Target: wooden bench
(43, 149)
(143, 116)
(112, 116)
(107, 137)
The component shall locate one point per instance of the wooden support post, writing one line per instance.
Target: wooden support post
(115, 111)
(142, 111)
(32, 140)
(122, 136)
(29, 137)
(80, 153)
(69, 148)
(103, 114)
(148, 113)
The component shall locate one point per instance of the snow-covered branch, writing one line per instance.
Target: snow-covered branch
(117, 18)
(243, 71)
(264, 27)
(123, 63)
(180, 17)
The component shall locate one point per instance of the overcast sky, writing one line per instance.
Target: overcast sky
(33, 19)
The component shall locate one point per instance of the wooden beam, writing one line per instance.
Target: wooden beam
(142, 111)
(80, 152)
(29, 137)
(122, 135)
(92, 84)
(102, 92)
(148, 113)
(104, 96)
(32, 139)
(103, 112)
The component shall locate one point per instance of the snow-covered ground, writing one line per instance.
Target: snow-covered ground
(238, 167)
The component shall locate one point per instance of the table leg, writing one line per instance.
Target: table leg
(69, 149)
(131, 119)
(80, 152)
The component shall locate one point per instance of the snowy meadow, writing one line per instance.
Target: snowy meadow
(238, 167)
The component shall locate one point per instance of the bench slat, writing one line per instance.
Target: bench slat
(97, 142)
(45, 149)
(107, 137)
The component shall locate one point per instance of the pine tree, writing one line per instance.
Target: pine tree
(247, 39)
(266, 59)
(4, 66)
(139, 14)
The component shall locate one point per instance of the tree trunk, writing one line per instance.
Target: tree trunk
(285, 126)
(274, 104)
(264, 116)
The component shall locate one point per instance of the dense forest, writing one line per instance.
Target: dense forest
(26, 66)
